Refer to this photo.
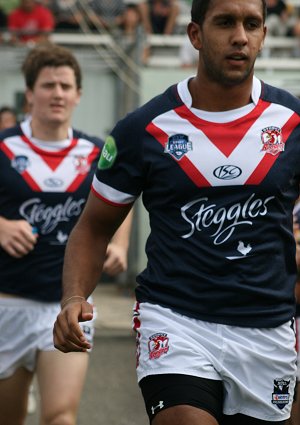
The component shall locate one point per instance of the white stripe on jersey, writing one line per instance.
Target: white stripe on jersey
(65, 173)
(112, 195)
(204, 155)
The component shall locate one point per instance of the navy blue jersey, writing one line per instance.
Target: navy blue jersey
(47, 186)
(220, 190)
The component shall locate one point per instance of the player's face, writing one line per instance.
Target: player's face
(7, 120)
(229, 41)
(54, 96)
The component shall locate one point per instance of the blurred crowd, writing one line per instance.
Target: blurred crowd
(32, 21)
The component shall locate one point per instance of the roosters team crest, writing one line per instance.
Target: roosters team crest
(81, 164)
(272, 141)
(158, 345)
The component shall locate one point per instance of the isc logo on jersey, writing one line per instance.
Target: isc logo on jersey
(108, 154)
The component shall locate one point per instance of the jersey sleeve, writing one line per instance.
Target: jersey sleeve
(120, 171)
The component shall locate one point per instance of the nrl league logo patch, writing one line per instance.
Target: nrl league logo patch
(20, 163)
(108, 154)
(178, 145)
(272, 141)
(281, 395)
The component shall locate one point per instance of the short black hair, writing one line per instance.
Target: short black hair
(200, 7)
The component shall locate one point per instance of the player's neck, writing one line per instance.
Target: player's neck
(213, 97)
(50, 131)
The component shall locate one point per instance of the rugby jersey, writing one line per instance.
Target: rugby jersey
(47, 186)
(220, 190)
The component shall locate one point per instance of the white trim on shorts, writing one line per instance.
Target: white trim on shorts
(27, 328)
(249, 361)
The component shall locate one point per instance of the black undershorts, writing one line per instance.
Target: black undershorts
(167, 390)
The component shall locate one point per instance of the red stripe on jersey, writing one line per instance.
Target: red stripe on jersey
(26, 176)
(184, 162)
(225, 136)
(107, 201)
(267, 162)
(290, 125)
(34, 186)
(52, 159)
(80, 177)
(7, 151)
(32, 183)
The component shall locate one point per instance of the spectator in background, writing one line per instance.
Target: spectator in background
(67, 14)
(30, 22)
(110, 14)
(3, 22)
(159, 16)
(8, 117)
(280, 19)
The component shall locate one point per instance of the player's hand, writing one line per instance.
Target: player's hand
(67, 333)
(17, 237)
(115, 260)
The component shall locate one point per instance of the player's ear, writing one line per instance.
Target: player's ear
(194, 33)
(79, 92)
(263, 39)
(29, 96)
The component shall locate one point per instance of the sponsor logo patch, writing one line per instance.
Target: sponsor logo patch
(281, 395)
(158, 345)
(178, 145)
(227, 172)
(272, 141)
(108, 154)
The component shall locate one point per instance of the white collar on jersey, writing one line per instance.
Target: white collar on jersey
(48, 145)
(219, 117)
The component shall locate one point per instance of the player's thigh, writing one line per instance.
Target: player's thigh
(60, 378)
(182, 399)
(247, 420)
(13, 397)
(184, 415)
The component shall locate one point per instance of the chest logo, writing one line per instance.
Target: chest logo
(178, 145)
(20, 163)
(272, 141)
(227, 172)
(81, 164)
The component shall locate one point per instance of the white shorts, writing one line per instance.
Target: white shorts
(257, 366)
(26, 327)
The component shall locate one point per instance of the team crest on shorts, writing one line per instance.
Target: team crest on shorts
(178, 145)
(158, 345)
(272, 141)
(20, 163)
(281, 395)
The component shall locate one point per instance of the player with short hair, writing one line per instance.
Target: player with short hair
(46, 169)
(216, 158)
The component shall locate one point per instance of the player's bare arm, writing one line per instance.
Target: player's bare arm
(85, 255)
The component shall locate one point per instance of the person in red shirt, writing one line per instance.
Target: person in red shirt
(30, 22)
